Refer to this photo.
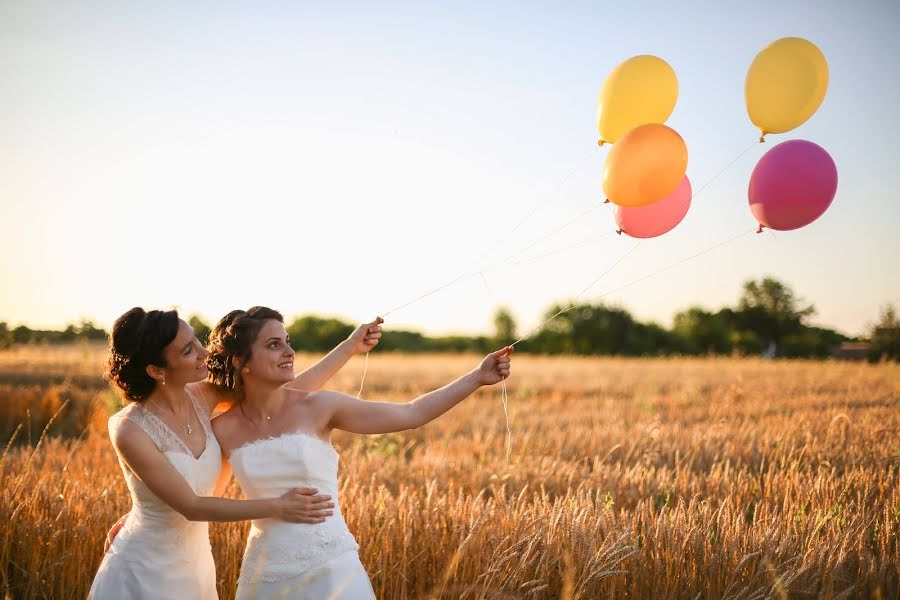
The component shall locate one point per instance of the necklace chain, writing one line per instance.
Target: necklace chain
(265, 416)
(187, 426)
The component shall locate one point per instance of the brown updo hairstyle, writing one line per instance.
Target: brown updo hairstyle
(137, 340)
(231, 338)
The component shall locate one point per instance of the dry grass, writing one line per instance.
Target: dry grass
(628, 478)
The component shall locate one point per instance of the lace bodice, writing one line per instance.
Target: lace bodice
(161, 434)
(269, 467)
(151, 520)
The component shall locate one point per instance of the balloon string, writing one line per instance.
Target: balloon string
(580, 294)
(539, 240)
(495, 267)
(725, 168)
(531, 259)
(426, 294)
(363, 382)
(540, 204)
(633, 282)
(555, 231)
(556, 191)
(504, 397)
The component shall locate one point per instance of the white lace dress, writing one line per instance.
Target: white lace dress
(158, 553)
(296, 560)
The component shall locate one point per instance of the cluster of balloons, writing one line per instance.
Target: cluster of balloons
(644, 173)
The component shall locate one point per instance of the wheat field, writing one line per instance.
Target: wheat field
(627, 478)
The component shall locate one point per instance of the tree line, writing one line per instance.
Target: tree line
(768, 319)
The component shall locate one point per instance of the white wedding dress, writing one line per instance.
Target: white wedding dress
(296, 560)
(158, 553)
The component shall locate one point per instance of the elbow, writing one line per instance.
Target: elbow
(415, 417)
(191, 510)
(194, 517)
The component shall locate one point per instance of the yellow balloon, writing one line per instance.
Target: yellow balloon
(641, 90)
(645, 166)
(785, 85)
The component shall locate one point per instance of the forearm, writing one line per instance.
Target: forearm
(317, 375)
(430, 406)
(208, 508)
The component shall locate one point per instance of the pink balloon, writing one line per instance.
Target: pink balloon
(655, 219)
(792, 185)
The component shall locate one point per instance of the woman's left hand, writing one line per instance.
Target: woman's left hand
(366, 336)
(495, 367)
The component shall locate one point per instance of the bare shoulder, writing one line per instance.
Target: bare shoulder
(225, 424)
(127, 437)
(316, 401)
(300, 398)
(314, 408)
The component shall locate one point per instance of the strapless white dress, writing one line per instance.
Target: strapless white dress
(158, 553)
(296, 560)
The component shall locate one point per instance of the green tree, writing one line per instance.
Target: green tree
(885, 335)
(504, 326)
(589, 329)
(317, 334)
(703, 332)
(746, 343)
(771, 310)
(201, 329)
(22, 335)
(86, 330)
(811, 342)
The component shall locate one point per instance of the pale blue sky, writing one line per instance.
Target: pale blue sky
(344, 158)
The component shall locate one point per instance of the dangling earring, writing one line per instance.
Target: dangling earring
(164, 382)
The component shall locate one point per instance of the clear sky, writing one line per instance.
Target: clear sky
(344, 158)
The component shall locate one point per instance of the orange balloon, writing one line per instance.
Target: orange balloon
(645, 165)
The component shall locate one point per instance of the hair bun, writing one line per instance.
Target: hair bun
(137, 340)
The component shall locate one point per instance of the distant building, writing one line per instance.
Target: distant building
(852, 351)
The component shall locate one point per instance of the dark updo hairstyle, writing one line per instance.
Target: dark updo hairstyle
(137, 340)
(231, 338)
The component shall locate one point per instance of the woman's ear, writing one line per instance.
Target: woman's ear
(156, 373)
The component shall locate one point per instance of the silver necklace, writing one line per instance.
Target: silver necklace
(187, 426)
(266, 417)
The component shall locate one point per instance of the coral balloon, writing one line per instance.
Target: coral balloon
(658, 218)
(785, 85)
(792, 185)
(641, 90)
(646, 165)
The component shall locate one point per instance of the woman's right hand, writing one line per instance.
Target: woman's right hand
(303, 505)
(495, 367)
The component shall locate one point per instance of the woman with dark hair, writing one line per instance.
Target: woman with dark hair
(278, 437)
(172, 462)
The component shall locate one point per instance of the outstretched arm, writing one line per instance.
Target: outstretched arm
(359, 416)
(363, 339)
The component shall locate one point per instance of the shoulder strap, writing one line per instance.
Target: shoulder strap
(164, 438)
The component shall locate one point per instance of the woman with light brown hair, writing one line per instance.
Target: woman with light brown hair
(278, 436)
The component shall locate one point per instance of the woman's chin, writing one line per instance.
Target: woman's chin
(199, 375)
